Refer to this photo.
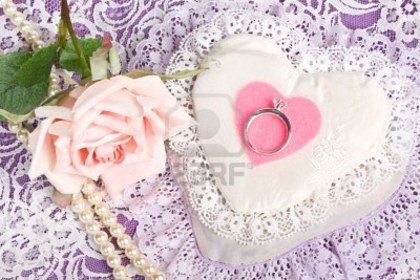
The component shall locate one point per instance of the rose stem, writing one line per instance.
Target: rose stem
(61, 35)
(65, 15)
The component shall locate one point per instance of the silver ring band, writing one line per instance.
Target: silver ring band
(273, 111)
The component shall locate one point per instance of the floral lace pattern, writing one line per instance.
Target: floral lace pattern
(382, 245)
(193, 168)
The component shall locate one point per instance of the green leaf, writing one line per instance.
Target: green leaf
(15, 98)
(13, 117)
(69, 59)
(37, 69)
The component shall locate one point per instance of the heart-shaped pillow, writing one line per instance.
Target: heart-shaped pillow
(353, 115)
(226, 235)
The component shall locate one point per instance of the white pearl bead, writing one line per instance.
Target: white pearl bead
(53, 74)
(119, 273)
(100, 238)
(124, 241)
(109, 220)
(76, 196)
(140, 261)
(9, 9)
(54, 87)
(25, 26)
(38, 44)
(113, 260)
(54, 79)
(89, 187)
(16, 19)
(31, 36)
(149, 270)
(78, 205)
(158, 277)
(131, 252)
(22, 136)
(14, 127)
(101, 209)
(52, 92)
(116, 230)
(107, 249)
(95, 198)
(85, 216)
(93, 227)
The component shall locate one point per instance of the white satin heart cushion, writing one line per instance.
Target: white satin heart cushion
(354, 111)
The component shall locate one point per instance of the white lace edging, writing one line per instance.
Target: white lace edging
(192, 168)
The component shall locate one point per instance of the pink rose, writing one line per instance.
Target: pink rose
(113, 130)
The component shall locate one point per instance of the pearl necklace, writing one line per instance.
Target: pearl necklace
(90, 201)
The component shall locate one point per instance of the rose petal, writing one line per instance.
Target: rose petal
(141, 143)
(113, 122)
(58, 112)
(62, 152)
(118, 177)
(131, 146)
(81, 126)
(156, 124)
(123, 103)
(42, 149)
(60, 128)
(69, 100)
(98, 92)
(144, 139)
(65, 183)
(148, 103)
(178, 121)
(151, 86)
(60, 199)
(135, 124)
(77, 92)
(164, 104)
(90, 160)
(110, 138)
(92, 134)
(93, 172)
(108, 153)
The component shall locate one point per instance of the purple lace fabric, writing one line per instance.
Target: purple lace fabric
(39, 241)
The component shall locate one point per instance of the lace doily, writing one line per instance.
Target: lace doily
(383, 245)
(194, 171)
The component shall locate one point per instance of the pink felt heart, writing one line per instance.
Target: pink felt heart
(268, 132)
